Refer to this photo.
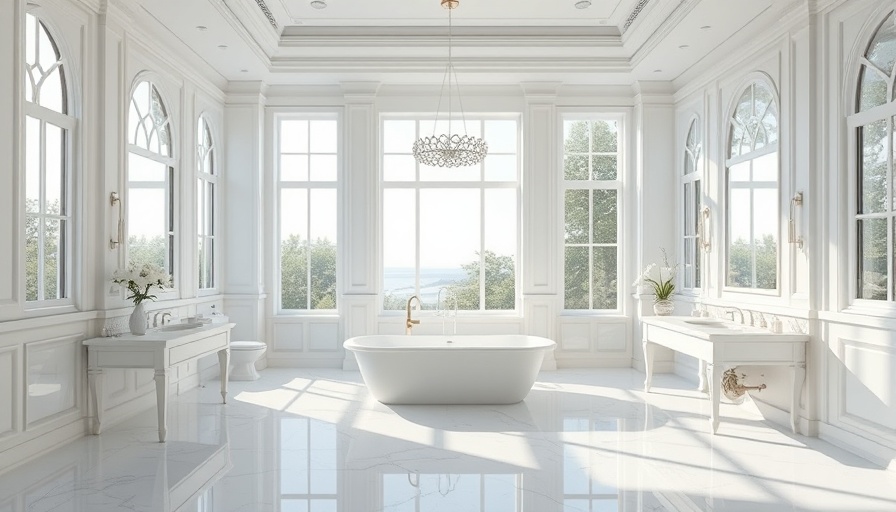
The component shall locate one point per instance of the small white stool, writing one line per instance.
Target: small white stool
(243, 355)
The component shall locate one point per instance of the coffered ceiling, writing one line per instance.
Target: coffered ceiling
(493, 41)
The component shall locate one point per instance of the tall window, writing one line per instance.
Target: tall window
(206, 205)
(691, 204)
(453, 228)
(308, 174)
(752, 186)
(150, 198)
(874, 123)
(48, 132)
(591, 183)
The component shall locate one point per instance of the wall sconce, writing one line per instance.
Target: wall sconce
(114, 242)
(702, 229)
(792, 237)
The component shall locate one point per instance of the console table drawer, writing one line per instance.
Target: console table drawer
(197, 348)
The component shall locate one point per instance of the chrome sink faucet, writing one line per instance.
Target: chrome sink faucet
(732, 309)
(162, 321)
(409, 323)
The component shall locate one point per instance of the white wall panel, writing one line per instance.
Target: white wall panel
(288, 337)
(9, 402)
(575, 337)
(322, 337)
(52, 377)
(611, 337)
(868, 383)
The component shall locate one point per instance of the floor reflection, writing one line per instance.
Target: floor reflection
(314, 441)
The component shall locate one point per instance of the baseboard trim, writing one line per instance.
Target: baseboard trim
(883, 456)
(33, 448)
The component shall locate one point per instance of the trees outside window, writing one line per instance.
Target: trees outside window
(454, 228)
(592, 187)
(752, 190)
(307, 163)
(206, 205)
(874, 123)
(692, 203)
(151, 199)
(48, 160)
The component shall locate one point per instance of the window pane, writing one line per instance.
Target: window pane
(577, 213)
(399, 247)
(293, 167)
(604, 216)
(294, 248)
(575, 167)
(399, 168)
(688, 211)
(873, 259)
(399, 136)
(32, 165)
(765, 222)
(32, 256)
(740, 249)
(873, 193)
(501, 137)
(450, 245)
(500, 212)
(323, 248)
(323, 168)
(294, 136)
(604, 278)
(143, 169)
(603, 167)
(500, 167)
(54, 259)
(604, 136)
(200, 251)
(147, 233)
(765, 168)
(470, 173)
(882, 50)
(55, 169)
(575, 137)
(577, 278)
(323, 136)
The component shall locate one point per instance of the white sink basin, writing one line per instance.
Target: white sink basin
(705, 321)
(180, 327)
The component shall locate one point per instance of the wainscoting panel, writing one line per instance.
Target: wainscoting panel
(575, 337)
(9, 405)
(288, 337)
(52, 377)
(868, 383)
(322, 337)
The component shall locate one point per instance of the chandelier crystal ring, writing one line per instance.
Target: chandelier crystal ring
(451, 149)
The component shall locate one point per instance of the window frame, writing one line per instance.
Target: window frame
(67, 122)
(482, 185)
(276, 184)
(213, 178)
(856, 119)
(696, 194)
(730, 161)
(172, 211)
(619, 185)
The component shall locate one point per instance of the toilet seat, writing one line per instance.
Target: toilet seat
(247, 345)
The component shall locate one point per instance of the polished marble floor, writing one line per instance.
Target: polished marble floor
(315, 441)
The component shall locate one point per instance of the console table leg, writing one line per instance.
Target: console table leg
(648, 364)
(715, 391)
(799, 377)
(95, 383)
(224, 366)
(701, 376)
(162, 402)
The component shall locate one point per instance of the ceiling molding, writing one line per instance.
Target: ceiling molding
(634, 15)
(467, 65)
(656, 38)
(267, 14)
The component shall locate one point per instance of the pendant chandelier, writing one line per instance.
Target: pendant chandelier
(450, 149)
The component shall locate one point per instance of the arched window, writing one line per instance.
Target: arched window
(48, 157)
(150, 198)
(752, 190)
(691, 203)
(206, 204)
(874, 124)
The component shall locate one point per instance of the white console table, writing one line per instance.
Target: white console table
(160, 351)
(720, 344)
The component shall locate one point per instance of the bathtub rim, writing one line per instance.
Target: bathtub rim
(351, 345)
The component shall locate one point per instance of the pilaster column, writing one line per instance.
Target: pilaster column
(244, 210)
(360, 196)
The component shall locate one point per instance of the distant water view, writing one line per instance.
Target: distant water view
(400, 282)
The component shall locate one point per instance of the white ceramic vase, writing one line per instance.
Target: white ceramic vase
(663, 307)
(137, 322)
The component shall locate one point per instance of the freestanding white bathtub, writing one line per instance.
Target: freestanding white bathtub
(470, 369)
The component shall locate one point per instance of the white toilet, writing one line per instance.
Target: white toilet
(243, 355)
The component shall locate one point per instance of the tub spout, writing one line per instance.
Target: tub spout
(409, 323)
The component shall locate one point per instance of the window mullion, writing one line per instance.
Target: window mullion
(482, 249)
(42, 211)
